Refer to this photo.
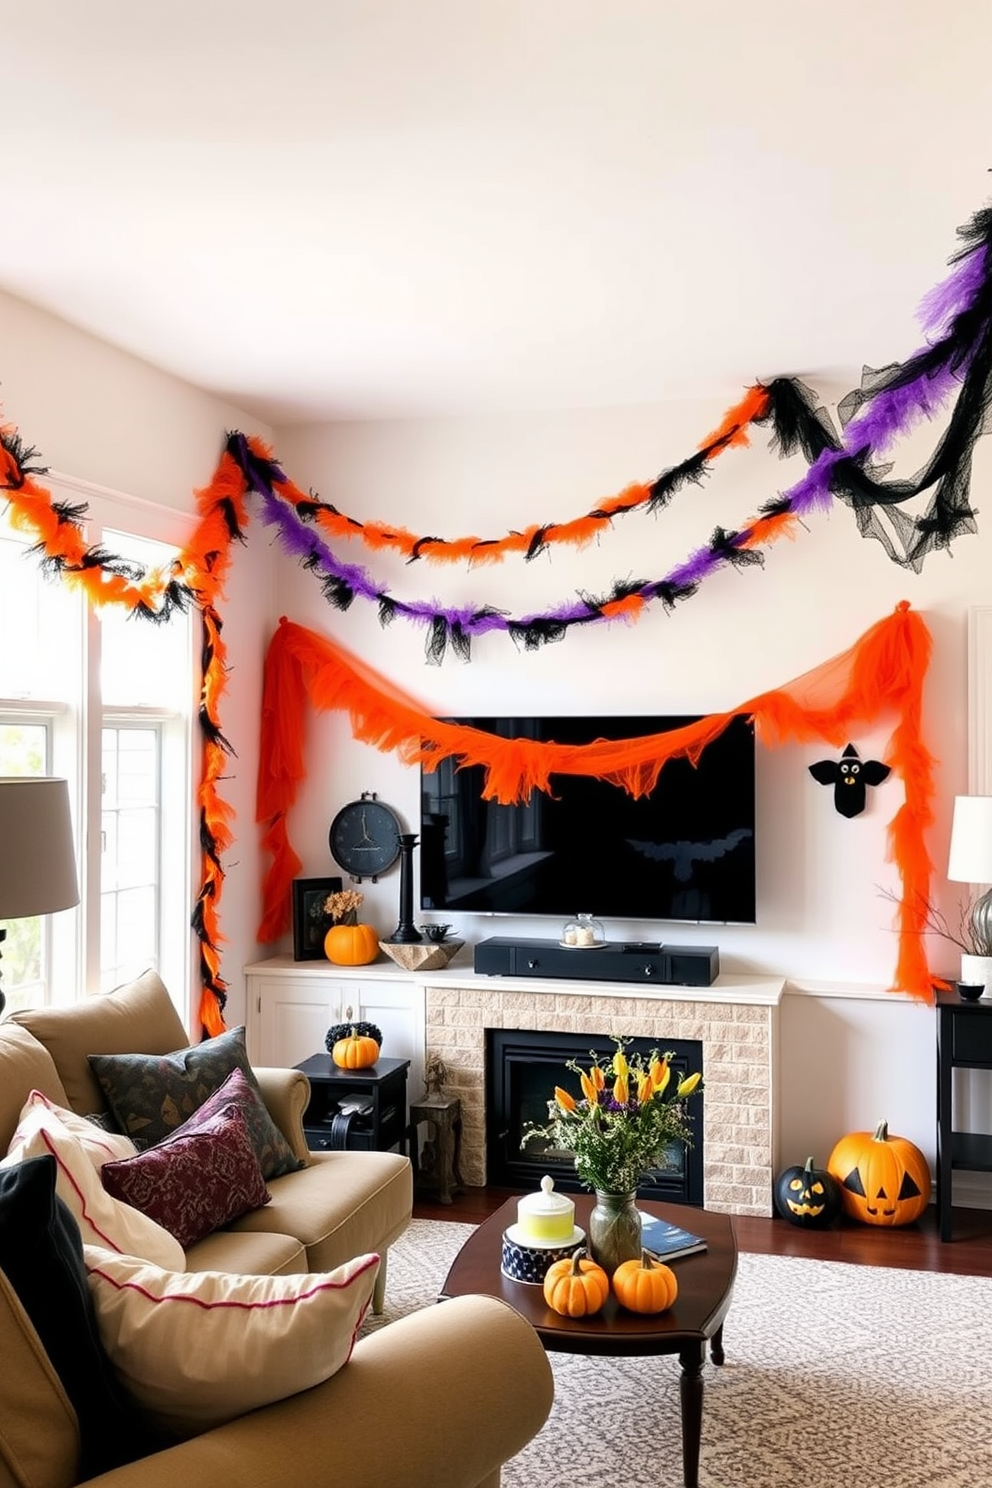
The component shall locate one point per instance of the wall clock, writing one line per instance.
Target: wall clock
(365, 837)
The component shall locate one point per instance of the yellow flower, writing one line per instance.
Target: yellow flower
(645, 1088)
(620, 1066)
(588, 1088)
(660, 1074)
(566, 1101)
(597, 1077)
(621, 1092)
(688, 1085)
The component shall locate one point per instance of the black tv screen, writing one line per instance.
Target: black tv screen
(684, 852)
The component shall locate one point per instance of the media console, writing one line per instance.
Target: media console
(625, 961)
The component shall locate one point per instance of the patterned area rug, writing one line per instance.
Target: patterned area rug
(836, 1374)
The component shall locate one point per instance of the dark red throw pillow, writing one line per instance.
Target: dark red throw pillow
(197, 1180)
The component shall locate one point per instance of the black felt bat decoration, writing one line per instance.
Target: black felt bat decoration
(684, 854)
(850, 778)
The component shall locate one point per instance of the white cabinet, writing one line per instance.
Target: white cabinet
(292, 1004)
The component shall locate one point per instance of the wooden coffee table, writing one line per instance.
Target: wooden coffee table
(706, 1287)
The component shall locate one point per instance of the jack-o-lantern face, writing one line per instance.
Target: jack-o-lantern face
(884, 1180)
(806, 1196)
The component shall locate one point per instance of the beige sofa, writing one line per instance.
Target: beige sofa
(342, 1204)
(439, 1399)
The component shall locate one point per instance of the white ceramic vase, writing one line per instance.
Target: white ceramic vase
(978, 969)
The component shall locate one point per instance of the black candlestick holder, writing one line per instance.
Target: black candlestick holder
(406, 932)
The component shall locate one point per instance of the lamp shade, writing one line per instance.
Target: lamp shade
(970, 858)
(37, 862)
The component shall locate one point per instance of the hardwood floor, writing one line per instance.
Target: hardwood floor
(916, 1247)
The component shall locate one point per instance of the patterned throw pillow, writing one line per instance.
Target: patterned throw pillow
(203, 1347)
(153, 1094)
(197, 1180)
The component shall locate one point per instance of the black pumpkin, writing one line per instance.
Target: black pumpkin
(807, 1196)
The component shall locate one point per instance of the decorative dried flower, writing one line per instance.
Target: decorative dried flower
(342, 902)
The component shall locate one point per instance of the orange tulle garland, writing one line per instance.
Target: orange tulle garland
(881, 675)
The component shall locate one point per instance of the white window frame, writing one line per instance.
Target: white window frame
(76, 753)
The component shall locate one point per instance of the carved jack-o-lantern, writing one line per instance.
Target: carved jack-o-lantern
(807, 1196)
(884, 1180)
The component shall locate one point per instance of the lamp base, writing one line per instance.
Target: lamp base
(3, 1000)
(981, 924)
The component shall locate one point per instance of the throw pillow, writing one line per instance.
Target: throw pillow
(152, 1094)
(41, 1255)
(102, 1220)
(98, 1141)
(197, 1180)
(203, 1347)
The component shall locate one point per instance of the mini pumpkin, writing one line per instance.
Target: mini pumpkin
(884, 1180)
(807, 1196)
(646, 1285)
(351, 945)
(355, 1051)
(576, 1286)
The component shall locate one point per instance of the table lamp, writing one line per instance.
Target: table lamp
(37, 861)
(970, 861)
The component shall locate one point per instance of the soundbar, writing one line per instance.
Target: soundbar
(632, 961)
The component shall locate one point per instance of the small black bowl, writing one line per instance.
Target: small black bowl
(970, 991)
(436, 933)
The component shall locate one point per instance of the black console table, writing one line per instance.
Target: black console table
(964, 1041)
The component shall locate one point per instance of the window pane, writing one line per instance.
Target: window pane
(129, 860)
(143, 664)
(44, 616)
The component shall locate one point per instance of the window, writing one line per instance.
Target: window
(106, 700)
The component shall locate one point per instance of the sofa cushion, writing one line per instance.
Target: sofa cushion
(138, 1015)
(198, 1179)
(41, 1255)
(102, 1220)
(344, 1204)
(24, 1065)
(199, 1348)
(153, 1094)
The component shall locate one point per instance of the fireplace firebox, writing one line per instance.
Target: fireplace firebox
(522, 1070)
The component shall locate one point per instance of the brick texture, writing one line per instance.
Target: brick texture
(739, 1043)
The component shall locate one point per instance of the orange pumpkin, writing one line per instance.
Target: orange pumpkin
(351, 945)
(355, 1051)
(884, 1180)
(576, 1286)
(646, 1285)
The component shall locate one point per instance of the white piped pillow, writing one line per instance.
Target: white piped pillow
(102, 1220)
(202, 1347)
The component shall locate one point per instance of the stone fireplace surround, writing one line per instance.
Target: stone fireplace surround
(736, 1020)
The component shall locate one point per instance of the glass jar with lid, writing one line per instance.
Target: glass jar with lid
(583, 933)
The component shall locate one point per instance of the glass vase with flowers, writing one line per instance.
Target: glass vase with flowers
(630, 1112)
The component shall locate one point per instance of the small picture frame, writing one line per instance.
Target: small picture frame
(311, 921)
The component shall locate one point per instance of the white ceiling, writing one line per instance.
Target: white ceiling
(358, 208)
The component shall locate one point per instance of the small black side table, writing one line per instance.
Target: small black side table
(964, 1041)
(378, 1092)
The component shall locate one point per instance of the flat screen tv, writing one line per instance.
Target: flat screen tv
(684, 852)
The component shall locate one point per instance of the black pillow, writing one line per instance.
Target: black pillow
(41, 1254)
